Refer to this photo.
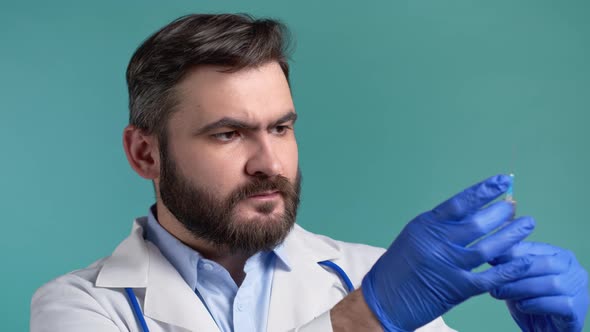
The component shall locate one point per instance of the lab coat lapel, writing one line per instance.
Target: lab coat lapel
(137, 263)
(169, 299)
(306, 290)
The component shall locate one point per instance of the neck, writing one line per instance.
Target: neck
(233, 262)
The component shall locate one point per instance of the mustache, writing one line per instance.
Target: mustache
(259, 185)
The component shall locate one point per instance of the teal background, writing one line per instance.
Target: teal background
(401, 104)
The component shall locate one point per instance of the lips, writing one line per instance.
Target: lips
(265, 193)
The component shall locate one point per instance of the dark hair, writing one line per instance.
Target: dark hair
(235, 41)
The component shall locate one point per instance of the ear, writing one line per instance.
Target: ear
(142, 152)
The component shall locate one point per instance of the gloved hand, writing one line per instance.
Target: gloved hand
(427, 269)
(553, 296)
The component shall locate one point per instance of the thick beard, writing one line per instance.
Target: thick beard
(214, 220)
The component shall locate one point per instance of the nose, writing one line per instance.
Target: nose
(264, 161)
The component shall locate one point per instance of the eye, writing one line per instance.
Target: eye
(226, 136)
(281, 130)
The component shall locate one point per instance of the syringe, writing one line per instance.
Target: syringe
(510, 192)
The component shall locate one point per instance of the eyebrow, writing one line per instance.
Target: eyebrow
(236, 123)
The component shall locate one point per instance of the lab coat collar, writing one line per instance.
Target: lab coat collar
(128, 265)
(282, 258)
(137, 263)
(302, 286)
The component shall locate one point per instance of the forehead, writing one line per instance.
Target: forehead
(254, 94)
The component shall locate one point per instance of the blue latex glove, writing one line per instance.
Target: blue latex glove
(427, 269)
(553, 296)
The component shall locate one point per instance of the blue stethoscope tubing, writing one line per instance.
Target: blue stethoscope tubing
(139, 314)
(137, 309)
(340, 272)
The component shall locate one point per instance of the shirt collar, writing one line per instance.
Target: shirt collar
(184, 258)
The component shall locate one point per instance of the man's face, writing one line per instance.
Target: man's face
(229, 161)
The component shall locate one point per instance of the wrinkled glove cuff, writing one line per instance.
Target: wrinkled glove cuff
(373, 303)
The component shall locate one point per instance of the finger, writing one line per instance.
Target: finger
(499, 275)
(481, 223)
(526, 248)
(551, 264)
(554, 305)
(550, 285)
(472, 199)
(495, 244)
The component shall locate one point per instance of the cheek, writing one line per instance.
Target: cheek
(221, 176)
(215, 173)
(290, 158)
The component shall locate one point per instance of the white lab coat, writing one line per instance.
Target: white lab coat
(93, 299)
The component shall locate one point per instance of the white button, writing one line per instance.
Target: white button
(208, 266)
(240, 306)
